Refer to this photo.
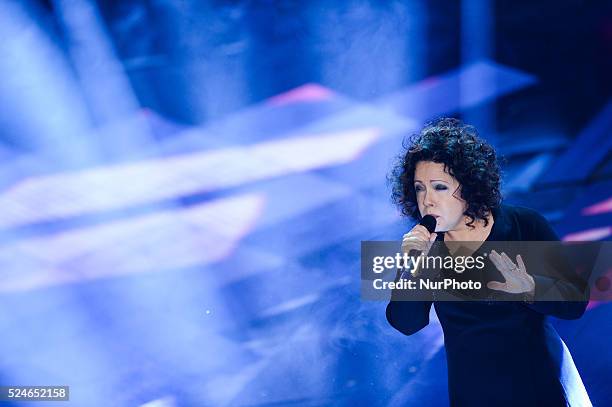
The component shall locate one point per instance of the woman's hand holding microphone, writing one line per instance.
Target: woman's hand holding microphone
(419, 240)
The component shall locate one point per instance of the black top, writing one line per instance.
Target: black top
(503, 353)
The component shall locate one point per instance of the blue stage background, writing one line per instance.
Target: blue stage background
(185, 186)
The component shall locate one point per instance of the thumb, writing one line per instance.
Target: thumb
(433, 237)
(496, 285)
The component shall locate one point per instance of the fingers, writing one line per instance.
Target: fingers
(508, 262)
(517, 279)
(411, 243)
(496, 285)
(504, 264)
(418, 238)
(420, 231)
(415, 237)
(519, 260)
(413, 240)
(498, 262)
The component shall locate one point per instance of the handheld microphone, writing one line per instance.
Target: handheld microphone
(430, 224)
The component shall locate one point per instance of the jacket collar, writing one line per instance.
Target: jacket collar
(501, 224)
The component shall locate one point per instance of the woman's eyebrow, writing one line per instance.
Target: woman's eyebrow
(418, 180)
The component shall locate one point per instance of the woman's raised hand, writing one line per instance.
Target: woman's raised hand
(517, 279)
(419, 239)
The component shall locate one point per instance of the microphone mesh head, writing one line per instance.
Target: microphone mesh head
(429, 222)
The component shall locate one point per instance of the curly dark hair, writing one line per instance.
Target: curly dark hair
(467, 157)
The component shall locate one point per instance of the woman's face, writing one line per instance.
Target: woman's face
(437, 194)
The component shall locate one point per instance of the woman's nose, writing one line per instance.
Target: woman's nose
(428, 199)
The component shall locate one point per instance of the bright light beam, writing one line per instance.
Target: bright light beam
(114, 187)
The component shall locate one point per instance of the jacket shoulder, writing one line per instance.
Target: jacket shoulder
(524, 213)
(533, 225)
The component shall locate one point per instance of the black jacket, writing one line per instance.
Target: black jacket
(504, 353)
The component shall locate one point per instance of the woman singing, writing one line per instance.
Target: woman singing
(499, 353)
